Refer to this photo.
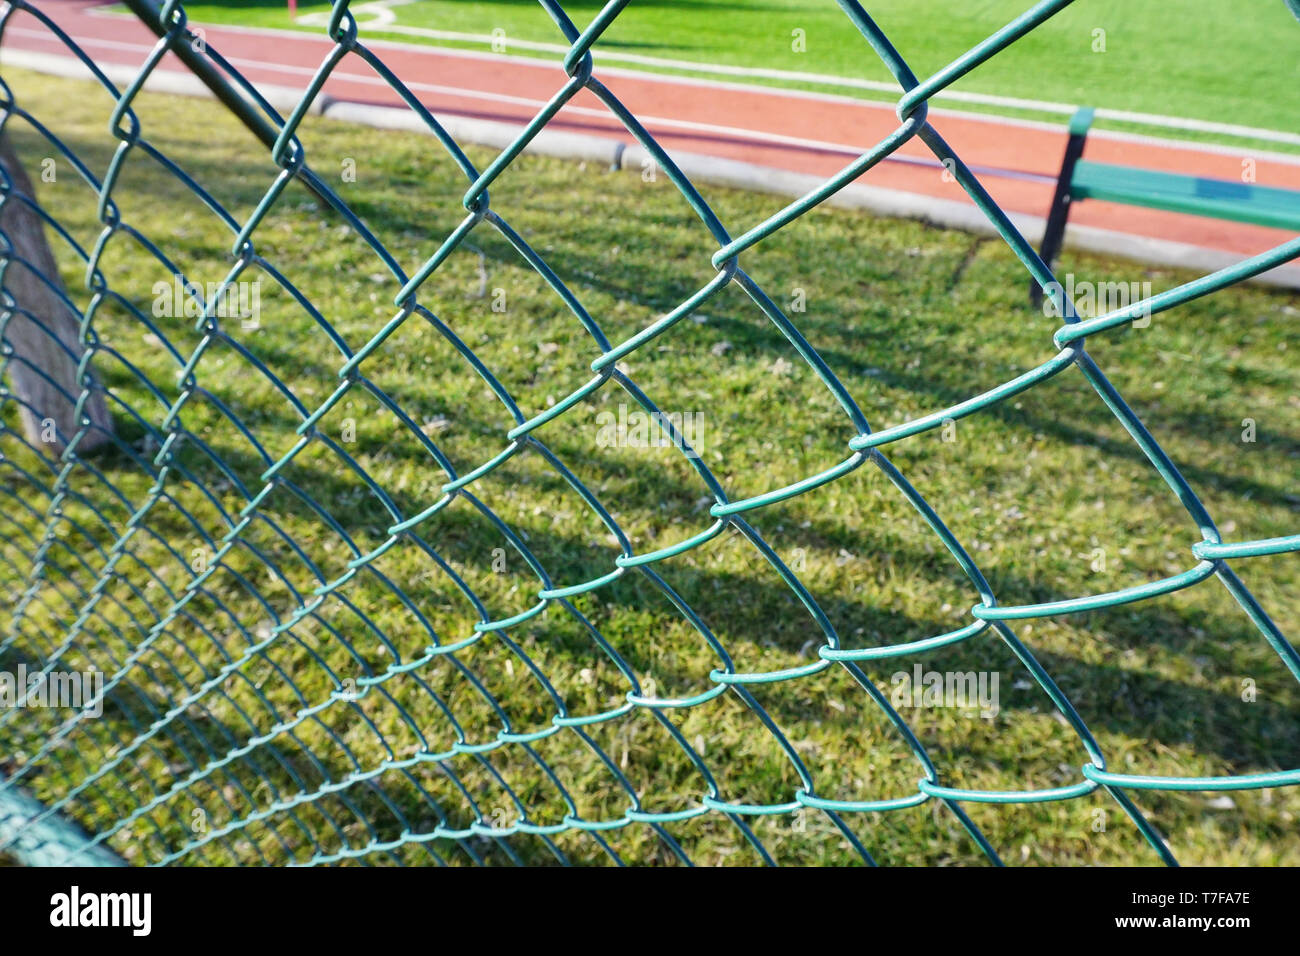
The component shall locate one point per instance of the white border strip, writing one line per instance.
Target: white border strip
(626, 154)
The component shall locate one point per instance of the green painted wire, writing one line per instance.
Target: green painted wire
(322, 804)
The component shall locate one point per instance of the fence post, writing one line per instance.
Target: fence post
(41, 330)
(150, 13)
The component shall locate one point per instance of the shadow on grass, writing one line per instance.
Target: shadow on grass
(738, 605)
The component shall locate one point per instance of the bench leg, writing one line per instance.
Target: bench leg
(1057, 214)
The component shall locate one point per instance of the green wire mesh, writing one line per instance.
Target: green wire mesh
(274, 799)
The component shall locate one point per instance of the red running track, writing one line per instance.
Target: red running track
(799, 132)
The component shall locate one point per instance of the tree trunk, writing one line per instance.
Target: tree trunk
(43, 331)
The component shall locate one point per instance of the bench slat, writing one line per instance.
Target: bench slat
(1217, 198)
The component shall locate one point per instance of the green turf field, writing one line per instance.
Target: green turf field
(910, 317)
(1198, 59)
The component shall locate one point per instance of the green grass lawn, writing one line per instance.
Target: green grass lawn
(1230, 63)
(1048, 493)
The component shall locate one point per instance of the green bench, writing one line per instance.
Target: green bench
(1215, 198)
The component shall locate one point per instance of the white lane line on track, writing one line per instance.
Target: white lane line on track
(384, 19)
(821, 79)
(755, 136)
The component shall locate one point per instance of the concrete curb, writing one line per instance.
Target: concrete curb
(627, 154)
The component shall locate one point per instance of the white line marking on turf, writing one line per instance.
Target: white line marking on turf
(426, 49)
(1150, 119)
(385, 19)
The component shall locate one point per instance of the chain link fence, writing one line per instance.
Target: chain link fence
(245, 749)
